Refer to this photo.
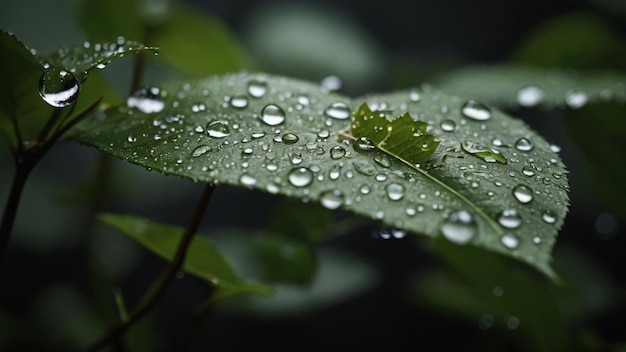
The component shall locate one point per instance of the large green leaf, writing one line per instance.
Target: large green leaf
(189, 38)
(512, 86)
(203, 258)
(491, 182)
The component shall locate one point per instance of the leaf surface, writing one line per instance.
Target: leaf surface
(491, 182)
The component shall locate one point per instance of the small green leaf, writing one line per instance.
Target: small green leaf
(203, 258)
(514, 86)
(288, 137)
(403, 138)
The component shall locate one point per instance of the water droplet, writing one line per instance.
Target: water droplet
(218, 129)
(510, 241)
(339, 111)
(528, 171)
(334, 172)
(414, 95)
(337, 152)
(257, 88)
(239, 101)
(576, 100)
(510, 219)
(146, 101)
(459, 227)
(364, 167)
(273, 115)
(529, 96)
(332, 199)
(523, 194)
(395, 191)
(58, 87)
(300, 177)
(201, 150)
(323, 134)
(247, 180)
(549, 217)
(363, 145)
(365, 189)
(512, 322)
(536, 240)
(382, 160)
(132, 138)
(524, 145)
(381, 177)
(198, 107)
(331, 83)
(476, 111)
(289, 138)
(448, 125)
(488, 154)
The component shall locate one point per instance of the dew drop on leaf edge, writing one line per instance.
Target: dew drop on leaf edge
(459, 227)
(58, 87)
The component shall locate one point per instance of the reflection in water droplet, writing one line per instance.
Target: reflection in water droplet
(201, 150)
(146, 101)
(58, 87)
(257, 88)
(273, 115)
(459, 227)
(529, 96)
(488, 154)
(363, 145)
(239, 101)
(448, 125)
(339, 111)
(524, 145)
(476, 111)
(523, 194)
(331, 199)
(549, 216)
(395, 191)
(510, 241)
(510, 219)
(337, 152)
(300, 177)
(289, 138)
(218, 129)
(364, 167)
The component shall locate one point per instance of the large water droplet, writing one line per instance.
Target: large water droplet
(447, 125)
(290, 138)
(395, 191)
(510, 219)
(363, 145)
(549, 216)
(488, 154)
(201, 150)
(273, 115)
(529, 96)
(239, 101)
(524, 145)
(257, 88)
(510, 241)
(476, 111)
(58, 87)
(338, 111)
(300, 177)
(247, 180)
(147, 101)
(459, 227)
(337, 152)
(364, 167)
(218, 129)
(523, 194)
(332, 199)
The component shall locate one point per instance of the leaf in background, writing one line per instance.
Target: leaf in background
(189, 38)
(283, 136)
(512, 86)
(496, 293)
(203, 259)
(281, 259)
(307, 222)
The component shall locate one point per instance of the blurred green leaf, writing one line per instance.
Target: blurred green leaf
(305, 221)
(514, 86)
(575, 40)
(203, 259)
(288, 137)
(281, 259)
(495, 292)
(189, 38)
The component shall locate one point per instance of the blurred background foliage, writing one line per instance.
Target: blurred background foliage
(341, 283)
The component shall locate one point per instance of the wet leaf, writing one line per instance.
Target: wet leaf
(203, 258)
(188, 37)
(288, 137)
(513, 86)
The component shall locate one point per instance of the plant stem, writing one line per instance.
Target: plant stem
(158, 288)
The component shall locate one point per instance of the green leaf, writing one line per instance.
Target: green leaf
(189, 39)
(203, 258)
(308, 222)
(403, 138)
(513, 86)
(287, 137)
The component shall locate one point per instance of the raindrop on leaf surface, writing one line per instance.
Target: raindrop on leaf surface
(510, 219)
(529, 96)
(300, 177)
(58, 87)
(332, 199)
(459, 227)
(218, 129)
(339, 111)
(257, 88)
(146, 101)
(476, 111)
(273, 115)
(523, 194)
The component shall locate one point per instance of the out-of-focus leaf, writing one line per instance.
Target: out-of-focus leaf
(514, 86)
(203, 259)
(495, 292)
(492, 182)
(304, 221)
(282, 259)
(189, 38)
(575, 40)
